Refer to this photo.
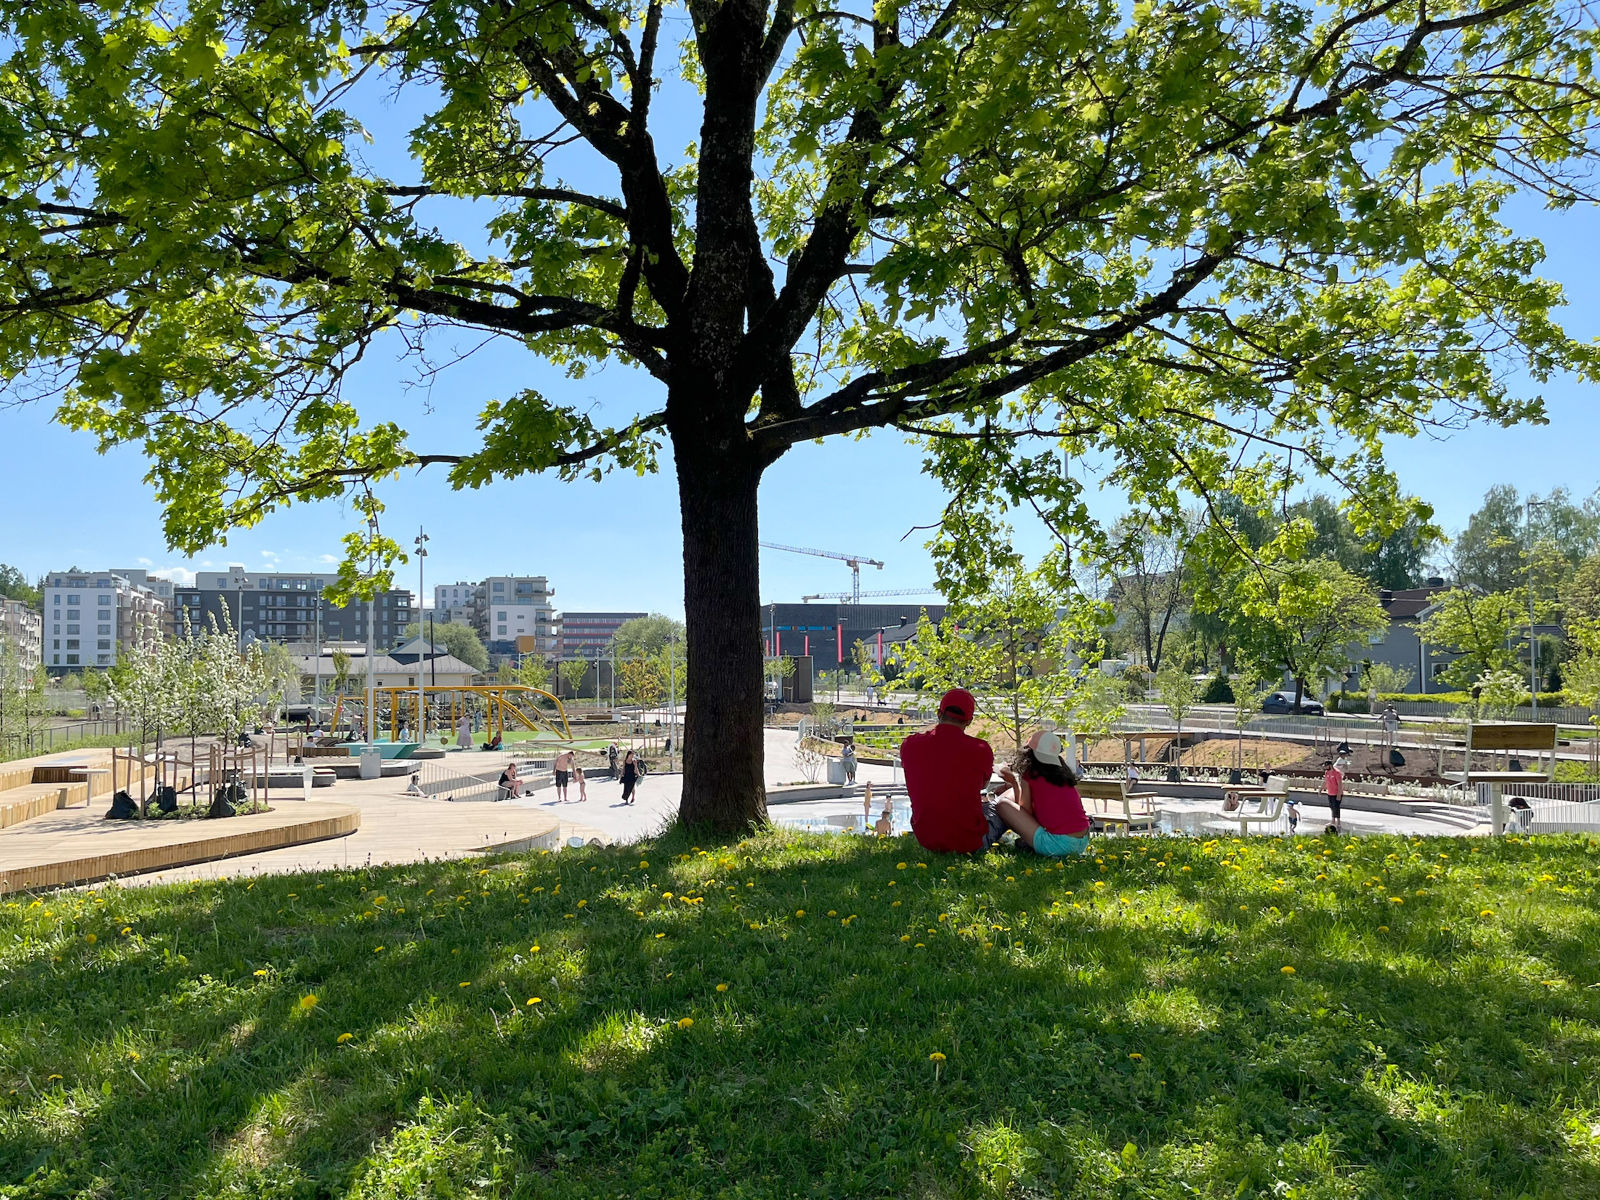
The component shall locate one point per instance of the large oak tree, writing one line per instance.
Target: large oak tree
(1203, 245)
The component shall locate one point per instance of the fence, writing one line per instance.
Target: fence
(441, 782)
(1562, 715)
(58, 737)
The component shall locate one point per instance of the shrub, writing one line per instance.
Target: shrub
(1218, 690)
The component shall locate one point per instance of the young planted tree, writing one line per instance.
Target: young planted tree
(1384, 677)
(1179, 694)
(573, 671)
(1159, 235)
(1303, 618)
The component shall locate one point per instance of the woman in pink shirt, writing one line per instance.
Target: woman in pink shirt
(1047, 813)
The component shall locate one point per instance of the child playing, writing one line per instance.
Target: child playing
(1047, 813)
(1292, 808)
(1333, 788)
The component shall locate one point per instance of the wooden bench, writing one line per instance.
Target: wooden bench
(1107, 793)
(1538, 737)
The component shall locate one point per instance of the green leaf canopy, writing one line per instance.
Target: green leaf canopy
(1209, 246)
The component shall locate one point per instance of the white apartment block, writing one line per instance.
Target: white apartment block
(90, 616)
(24, 629)
(518, 606)
(457, 603)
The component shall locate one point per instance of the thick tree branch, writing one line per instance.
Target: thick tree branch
(559, 195)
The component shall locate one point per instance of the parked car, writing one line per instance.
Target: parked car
(1283, 702)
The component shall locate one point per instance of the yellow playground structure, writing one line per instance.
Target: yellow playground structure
(499, 701)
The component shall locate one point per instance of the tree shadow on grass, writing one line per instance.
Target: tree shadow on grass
(1105, 1049)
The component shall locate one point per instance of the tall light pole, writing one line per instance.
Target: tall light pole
(1533, 641)
(422, 554)
(372, 611)
(242, 581)
(316, 688)
(672, 695)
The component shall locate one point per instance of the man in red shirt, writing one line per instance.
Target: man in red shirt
(947, 773)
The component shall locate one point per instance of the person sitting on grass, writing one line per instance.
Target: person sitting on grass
(493, 743)
(1046, 811)
(947, 772)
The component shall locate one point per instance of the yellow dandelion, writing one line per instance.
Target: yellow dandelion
(799, 912)
(125, 929)
(1383, 929)
(533, 949)
(1287, 970)
(685, 1022)
(1182, 869)
(935, 1057)
(261, 972)
(895, 904)
(308, 1002)
(662, 935)
(52, 1078)
(1397, 900)
(643, 863)
(900, 866)
(722, 987)
(377, 949)
(91, 939)
(832, 913)
(344, 1037)
(1136, 1057)
(532, 1000)
(943, 915)
(1488, 912)
(906, 937)
(467, 983)
(666, 895)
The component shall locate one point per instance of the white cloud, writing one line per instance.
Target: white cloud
(182, 576)
(145, 562)
(328, 558)
(269, 556)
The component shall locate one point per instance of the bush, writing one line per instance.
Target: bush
(1218, 690)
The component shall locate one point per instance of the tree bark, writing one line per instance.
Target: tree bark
(718, 477)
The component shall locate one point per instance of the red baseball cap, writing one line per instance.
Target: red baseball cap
(958, 702)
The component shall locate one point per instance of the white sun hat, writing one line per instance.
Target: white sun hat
(1046, 744)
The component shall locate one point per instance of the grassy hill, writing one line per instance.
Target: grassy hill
(815, 1016)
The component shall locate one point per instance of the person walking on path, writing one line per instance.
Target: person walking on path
(1333, 788)
(464, 732)
(583, 787)
(613, 754)
(564, 762)
(947, 773)
(848, 757)
(630, 777)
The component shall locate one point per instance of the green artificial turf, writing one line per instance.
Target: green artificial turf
(820, 1016)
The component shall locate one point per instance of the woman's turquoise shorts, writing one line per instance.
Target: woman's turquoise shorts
(1058, 845)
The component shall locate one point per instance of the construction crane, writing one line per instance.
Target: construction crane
(856, 597)
(856, 561)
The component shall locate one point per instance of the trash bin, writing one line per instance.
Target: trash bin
(308, 780)
(371, 764)
(835, 770)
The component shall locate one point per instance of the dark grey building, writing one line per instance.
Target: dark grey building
(819, 628)
(290, 608)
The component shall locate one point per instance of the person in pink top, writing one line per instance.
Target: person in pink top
(1047, 812)
(1333, 788)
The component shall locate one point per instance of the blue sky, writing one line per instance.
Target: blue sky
(616, 545)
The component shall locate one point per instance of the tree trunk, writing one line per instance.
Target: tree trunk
(723, 785)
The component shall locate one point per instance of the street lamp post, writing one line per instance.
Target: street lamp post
(672, 696)
(1533, 641)
(372, 612)
(422, 554)
(240, 607)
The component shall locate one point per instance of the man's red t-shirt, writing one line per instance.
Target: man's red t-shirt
(946, 772)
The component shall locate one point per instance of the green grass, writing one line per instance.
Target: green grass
(98, 742)
(1128, 1028)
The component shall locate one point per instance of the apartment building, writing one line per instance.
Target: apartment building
(286, 608)
(24, 629)
(588, 634)
(459, 603)
(518, 606)
(92, 616)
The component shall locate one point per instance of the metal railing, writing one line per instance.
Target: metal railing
(46, 740)
(443, 783)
